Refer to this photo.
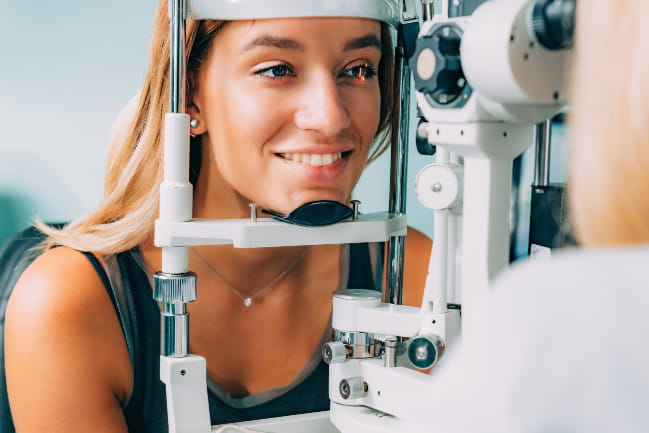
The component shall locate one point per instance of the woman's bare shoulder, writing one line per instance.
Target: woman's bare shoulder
(418, 248)
(64, 348)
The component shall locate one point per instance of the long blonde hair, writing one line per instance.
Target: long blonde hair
(134, 168)
(609, 138)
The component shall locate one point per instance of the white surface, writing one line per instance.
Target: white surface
(316, 422)
(384, 10)
(267, 232)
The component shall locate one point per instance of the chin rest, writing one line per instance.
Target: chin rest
(315, 213)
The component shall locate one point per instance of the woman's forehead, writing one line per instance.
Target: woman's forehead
(295, 32)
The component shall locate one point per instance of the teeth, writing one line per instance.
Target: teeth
(315, 159)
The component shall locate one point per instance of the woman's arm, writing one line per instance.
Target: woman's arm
(67, 364)
(418, 247)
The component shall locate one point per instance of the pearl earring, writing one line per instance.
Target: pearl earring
(193, 123)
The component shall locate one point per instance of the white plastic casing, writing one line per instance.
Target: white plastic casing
(176, 191)
(504, 62)
(186, 394)
(381, 10)
(346, 304)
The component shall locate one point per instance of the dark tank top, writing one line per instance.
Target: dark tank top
(128, 286)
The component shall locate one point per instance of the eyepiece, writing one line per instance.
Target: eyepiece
(553, 23)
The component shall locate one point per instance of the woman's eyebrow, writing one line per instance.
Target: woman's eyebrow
(369, 40)
(272, 41)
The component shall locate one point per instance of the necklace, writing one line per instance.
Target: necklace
(247, 300)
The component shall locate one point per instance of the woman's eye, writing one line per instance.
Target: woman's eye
(362, 72)
(276, 71)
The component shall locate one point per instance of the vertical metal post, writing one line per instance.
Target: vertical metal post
(175, 286)
(542, 156)
(177, 56)
(428, 9)
(398, 176)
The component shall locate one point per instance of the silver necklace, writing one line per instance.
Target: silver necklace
(247, 300)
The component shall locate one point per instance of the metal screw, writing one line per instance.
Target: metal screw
(253, 212)
(436, 187)
(355, 204)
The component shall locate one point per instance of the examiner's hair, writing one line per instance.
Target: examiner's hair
(134, 168)
(609, 127)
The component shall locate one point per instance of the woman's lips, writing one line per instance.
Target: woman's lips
(317, 167)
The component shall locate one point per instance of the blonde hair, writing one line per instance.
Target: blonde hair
(134, 168)
(609, 127)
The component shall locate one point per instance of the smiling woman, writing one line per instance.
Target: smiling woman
(281, 116)
(276, 100)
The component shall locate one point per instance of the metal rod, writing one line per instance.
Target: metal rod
(398, 178)
(428, 9)
(542, 156)
(177, 56)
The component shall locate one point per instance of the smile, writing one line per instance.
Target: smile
(314, 159)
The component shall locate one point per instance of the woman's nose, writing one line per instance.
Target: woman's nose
(322, 108)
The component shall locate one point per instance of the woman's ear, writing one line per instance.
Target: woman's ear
(196, 121)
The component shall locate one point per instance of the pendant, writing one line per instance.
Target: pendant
(247, 302)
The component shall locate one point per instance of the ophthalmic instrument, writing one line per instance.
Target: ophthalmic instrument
(481, 82)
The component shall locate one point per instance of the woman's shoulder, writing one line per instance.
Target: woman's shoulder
(58, 279)
(60, 324)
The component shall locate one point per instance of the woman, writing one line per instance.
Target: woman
(281, 117)
(571, 334)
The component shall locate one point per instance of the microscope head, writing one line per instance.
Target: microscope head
(508, 61)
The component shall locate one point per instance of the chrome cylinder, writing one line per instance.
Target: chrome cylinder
(360, 345)
(174, 335)
(177, 9)
(390, 352)
(542, 155)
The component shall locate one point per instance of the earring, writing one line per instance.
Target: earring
(193, 123)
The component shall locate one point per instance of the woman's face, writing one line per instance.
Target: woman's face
(289, 109)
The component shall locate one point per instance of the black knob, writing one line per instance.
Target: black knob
(423, 145)
(553, 22)
(436, 65)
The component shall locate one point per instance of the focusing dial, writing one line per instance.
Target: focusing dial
(437, 68)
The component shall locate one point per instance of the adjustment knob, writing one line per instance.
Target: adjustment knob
(174, 288)
(436, 64)
(334, 352)
(352, 387)
(553, 23)
(424, 351)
